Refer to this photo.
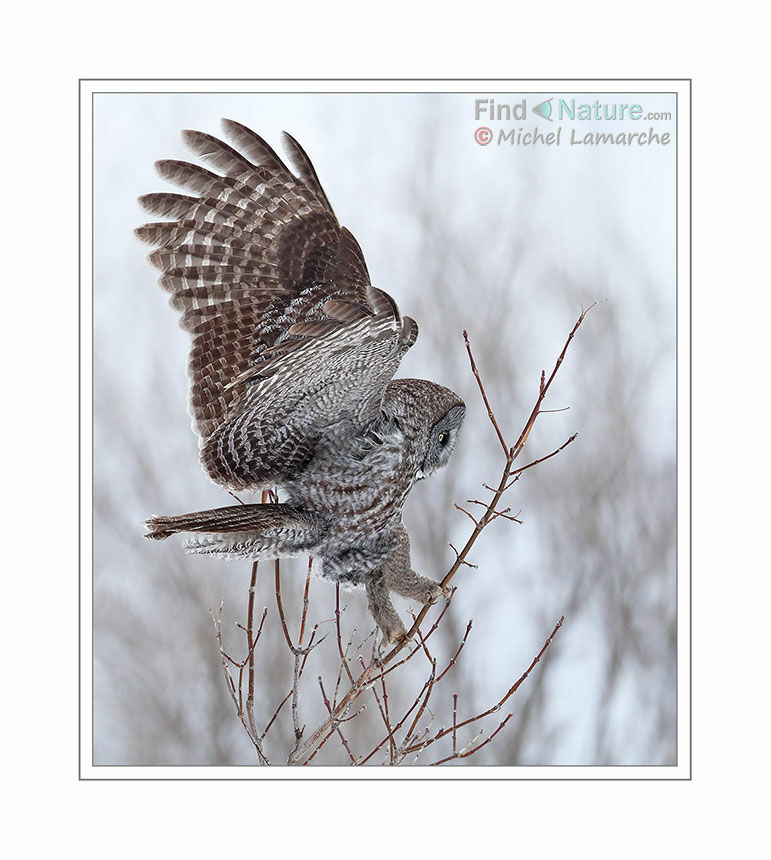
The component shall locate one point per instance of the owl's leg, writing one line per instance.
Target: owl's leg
(403, 580)
(379, 598)
(415, 587)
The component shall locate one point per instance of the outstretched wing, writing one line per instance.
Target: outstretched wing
(291, 343)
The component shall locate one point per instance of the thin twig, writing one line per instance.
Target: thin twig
(427, 688)
(455, 724)
(457, 555)
(510, 692)
(256, 741)
(250, 660)
(250, 643)
(466, 754)
(337, 723)
(490, 413)
(280, 605)
(343, 661)
(423, 706)
(456, 654)
(518, 472)
(305, 600)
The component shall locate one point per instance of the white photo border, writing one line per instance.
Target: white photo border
(682, 89)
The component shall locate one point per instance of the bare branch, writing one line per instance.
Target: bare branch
(467, 753)
(490, 413)
(257, 741)
(336, 722)
(455, 656)
(343, 661)
(305, 600)
(507, 695)
(518, 472)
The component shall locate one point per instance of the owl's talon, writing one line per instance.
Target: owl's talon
(394, 636)
(391, 636)
(438, 592)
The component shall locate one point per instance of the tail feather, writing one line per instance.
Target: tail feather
(280, 528)
(236, 518)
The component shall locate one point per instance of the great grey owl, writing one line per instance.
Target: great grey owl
(293, 353)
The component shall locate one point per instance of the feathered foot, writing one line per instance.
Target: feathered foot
(416, 587)
(386, 617)
(397, 575)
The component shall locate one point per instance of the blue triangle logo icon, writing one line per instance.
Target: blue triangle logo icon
(544, 109)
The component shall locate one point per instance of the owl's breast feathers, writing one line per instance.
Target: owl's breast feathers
(360, 482)
(361, 479)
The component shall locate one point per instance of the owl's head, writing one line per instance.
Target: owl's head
(442, 438)
(430, 416)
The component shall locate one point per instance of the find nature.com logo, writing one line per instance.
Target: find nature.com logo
(567, 110)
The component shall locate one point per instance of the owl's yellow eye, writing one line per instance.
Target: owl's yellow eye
(443, 438)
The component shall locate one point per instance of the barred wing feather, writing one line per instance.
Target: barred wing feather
(291, 343)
